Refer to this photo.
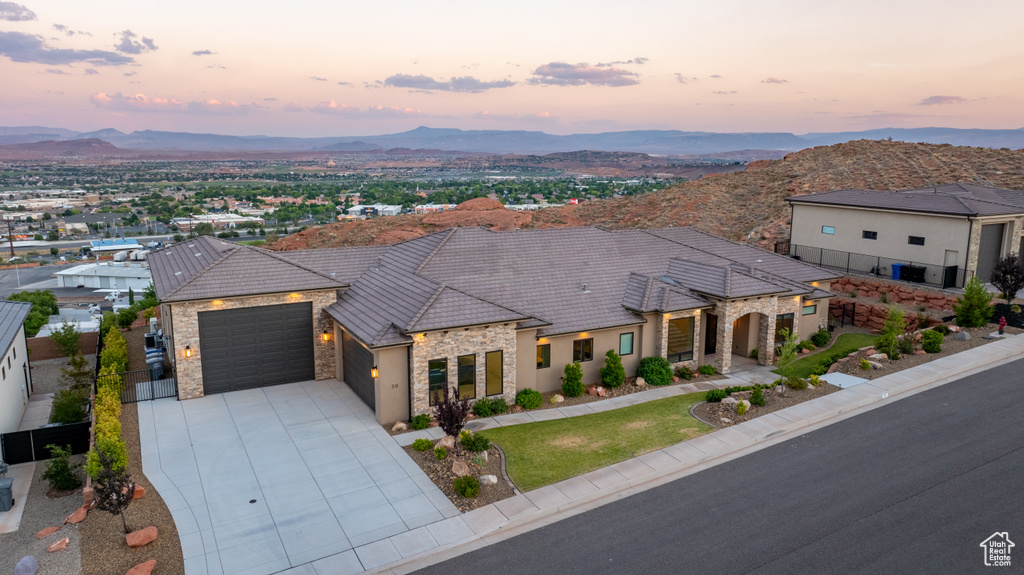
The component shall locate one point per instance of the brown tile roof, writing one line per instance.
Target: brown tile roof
(960, 199)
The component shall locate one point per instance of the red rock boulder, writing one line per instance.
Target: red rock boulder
(141, 537)
(143, 568)
(58, 546)
(47, 531)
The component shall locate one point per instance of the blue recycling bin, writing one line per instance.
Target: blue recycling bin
(896, 271)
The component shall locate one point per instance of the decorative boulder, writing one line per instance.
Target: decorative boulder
(591, 391)
(731, 401)
(556, 398)
(447, 442)
(399, 426)
(482, 455)
(141, 537)
(27, 566)
(460, 469)
(878, 357)
(78, 516)
(805, 351)
(920, 352)
(640, 382)
(875, 365)
(58, 546)
(954, 328)
(47, 531)
(601, 392)
(140, 492)
(962, 336)
(143, 568)
(488, 479)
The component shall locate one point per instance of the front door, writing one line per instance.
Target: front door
(710, 333)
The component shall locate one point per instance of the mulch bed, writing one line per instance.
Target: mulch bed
(722, 415)
(440, 472)
(104, 550)
(136, 340)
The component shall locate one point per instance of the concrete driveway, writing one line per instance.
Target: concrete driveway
(265, 480)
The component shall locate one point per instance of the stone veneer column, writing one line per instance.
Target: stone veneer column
(729, 311)
(972, 250)
(766, 340)
(450, 345)
(661, 343)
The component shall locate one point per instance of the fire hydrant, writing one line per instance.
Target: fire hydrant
(1002, 324)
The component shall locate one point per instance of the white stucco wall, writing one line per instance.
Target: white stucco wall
(14, 390)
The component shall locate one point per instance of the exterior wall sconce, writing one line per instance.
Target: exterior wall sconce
(326, 336)
(374, 373)
(188, 351)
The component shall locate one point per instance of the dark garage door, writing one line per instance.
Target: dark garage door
(988, 251)
(256, 346)
(357, 362)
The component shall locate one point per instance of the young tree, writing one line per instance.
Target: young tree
(893, 328)
(612, 374)
(1008, 277)
(787, 352)
(572, 380)
(54, 252)
(77, 372)
(450, 413)
(131, 296)
(974, 308)
(113, 488)
(66, 338)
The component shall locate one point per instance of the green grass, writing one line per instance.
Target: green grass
(254, 242)
(539, 454)
(848, 342)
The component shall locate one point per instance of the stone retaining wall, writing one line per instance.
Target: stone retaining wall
(896, 292)
(871, 316)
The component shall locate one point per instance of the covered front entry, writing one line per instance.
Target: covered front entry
(743, 326)
(357, 364)
(251, 347)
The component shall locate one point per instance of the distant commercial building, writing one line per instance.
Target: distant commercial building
(531, 207)
(370, 210)
(15, 376)
(114, 245)
(433, 208)
(218, 221)
(21, 216)
(106, 275)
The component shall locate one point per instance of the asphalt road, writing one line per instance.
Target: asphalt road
(912, 487)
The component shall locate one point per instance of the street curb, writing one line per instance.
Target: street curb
(737, 443)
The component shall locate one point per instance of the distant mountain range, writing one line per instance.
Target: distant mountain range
(667, 142)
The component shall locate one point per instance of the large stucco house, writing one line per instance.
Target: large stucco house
(945, 234)
(488, 313)
(15, 377)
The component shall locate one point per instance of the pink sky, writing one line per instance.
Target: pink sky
(316, 68)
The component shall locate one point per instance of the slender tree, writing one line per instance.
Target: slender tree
(113, 488)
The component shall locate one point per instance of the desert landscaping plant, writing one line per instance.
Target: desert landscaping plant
(757, 397)
(529, 399)
(440, 453)
(572, 380)
(821, 337)
(931, 341)
(66, 338)
(77, 372)
(684, 372)
(892, 331)
(974, 307)
(467, 486)
(60, 472)
(421, 421)
(113, 488)
(486, 406)
(655, 370)
(707, 369)
(474, 442)
(612, 374)
(422, 445)
(1008, 277)
(865, 364)
(450, 413)
(69, 406)
(787, 352)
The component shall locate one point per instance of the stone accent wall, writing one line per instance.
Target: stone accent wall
(728, 311)
(661, 336)
(185, 329)
(896, 292)
(972, 248)
(453, 343)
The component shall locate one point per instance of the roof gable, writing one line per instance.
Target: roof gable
(450, 307)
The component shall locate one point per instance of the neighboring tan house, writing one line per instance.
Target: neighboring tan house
(487, 313)
(15, 378)
(968, 227)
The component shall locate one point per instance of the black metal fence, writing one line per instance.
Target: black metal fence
(904, 270)
(139, 385)
(843, 314)
(24, 446)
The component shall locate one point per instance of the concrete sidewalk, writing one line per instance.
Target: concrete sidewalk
(528, 511)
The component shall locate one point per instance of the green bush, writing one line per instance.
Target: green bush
(529, 399)
(741, 408)
(440, 453)
(807, 344)
(814, 380)
(473, 442)
(486, 407)
(707, 369)
(821, 338)
(44, 304)
(864, 364)
(612, 374)
(715, 395)
(66, 338)
(62, 475)
(974, 308)
(126, 317)
(114, 357)
(753, 353)
(112, 446)
(422, 445)
(655, 370)
(757, 397)
(942, 328)
(796, 383)
(684, 372)
(572, 380)
(107, 323)
(69, 406)
(889, 340)
(467, 486)
(421, 421)
(931, 341)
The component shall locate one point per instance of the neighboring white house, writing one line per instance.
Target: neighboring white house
(106, 275)
(15, 378)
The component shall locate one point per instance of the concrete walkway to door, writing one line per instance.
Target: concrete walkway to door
(265, 480)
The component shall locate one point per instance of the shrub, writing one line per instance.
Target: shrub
(655, 370)
(889, 340)
(106, 447)
(62, 475)
(66, 338)
(467, 486)
(126, 317)
(422, 445)
(684, 372)
(473, 442)
(572, 381)
(741, 408)
(715, 395)
(108, 322)
(942, 328)
(707, 369)
(612, 374)
(796, 383)
(787, 351)
(440, 453)
(114, 489)
(421, 421)
(931, 341)
(44, 304)
(114, 356)
(450, 413)
(807, 344)
(487, 407)
(479, 461)
(864, 363)
(1008, 277)
(529, 399)
(753, 353)
(77, 372)
(69, 406)
(814, 380)
(906, 344)
(883, 297)
(757, 397)
(821, 337)
(973, 309)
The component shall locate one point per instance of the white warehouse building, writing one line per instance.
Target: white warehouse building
(107, 275)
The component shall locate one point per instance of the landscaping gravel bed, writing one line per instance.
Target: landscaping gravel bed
(723, 415)
(440, 472)
(47, 377)
(41, 512)
(103, 544)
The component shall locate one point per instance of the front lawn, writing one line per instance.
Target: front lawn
(539, 454)
(846, 343)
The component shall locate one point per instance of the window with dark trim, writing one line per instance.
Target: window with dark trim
(626, 343)
(809, 309)
(495, 372)
(828, 230)
(783, 321)
(437, 380)
(467, 376)
(915, 240)
(680, 339)
(544, 355)
(869, 235)
(583, 349)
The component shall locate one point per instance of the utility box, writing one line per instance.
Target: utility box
(6, 494)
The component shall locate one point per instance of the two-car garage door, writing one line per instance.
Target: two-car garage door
(256, 346)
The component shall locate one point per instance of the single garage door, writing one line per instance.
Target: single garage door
(256, 346)
(357, 361)
(988, 251)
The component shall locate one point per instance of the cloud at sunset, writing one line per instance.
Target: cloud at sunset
(942, 100)
(562, 74)
(773, 80)
(459, 84)
(335, 109)
(129, 45)
(30, 48)
(69, 32)
(15, 12)
(202, 53)
(136, 103)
